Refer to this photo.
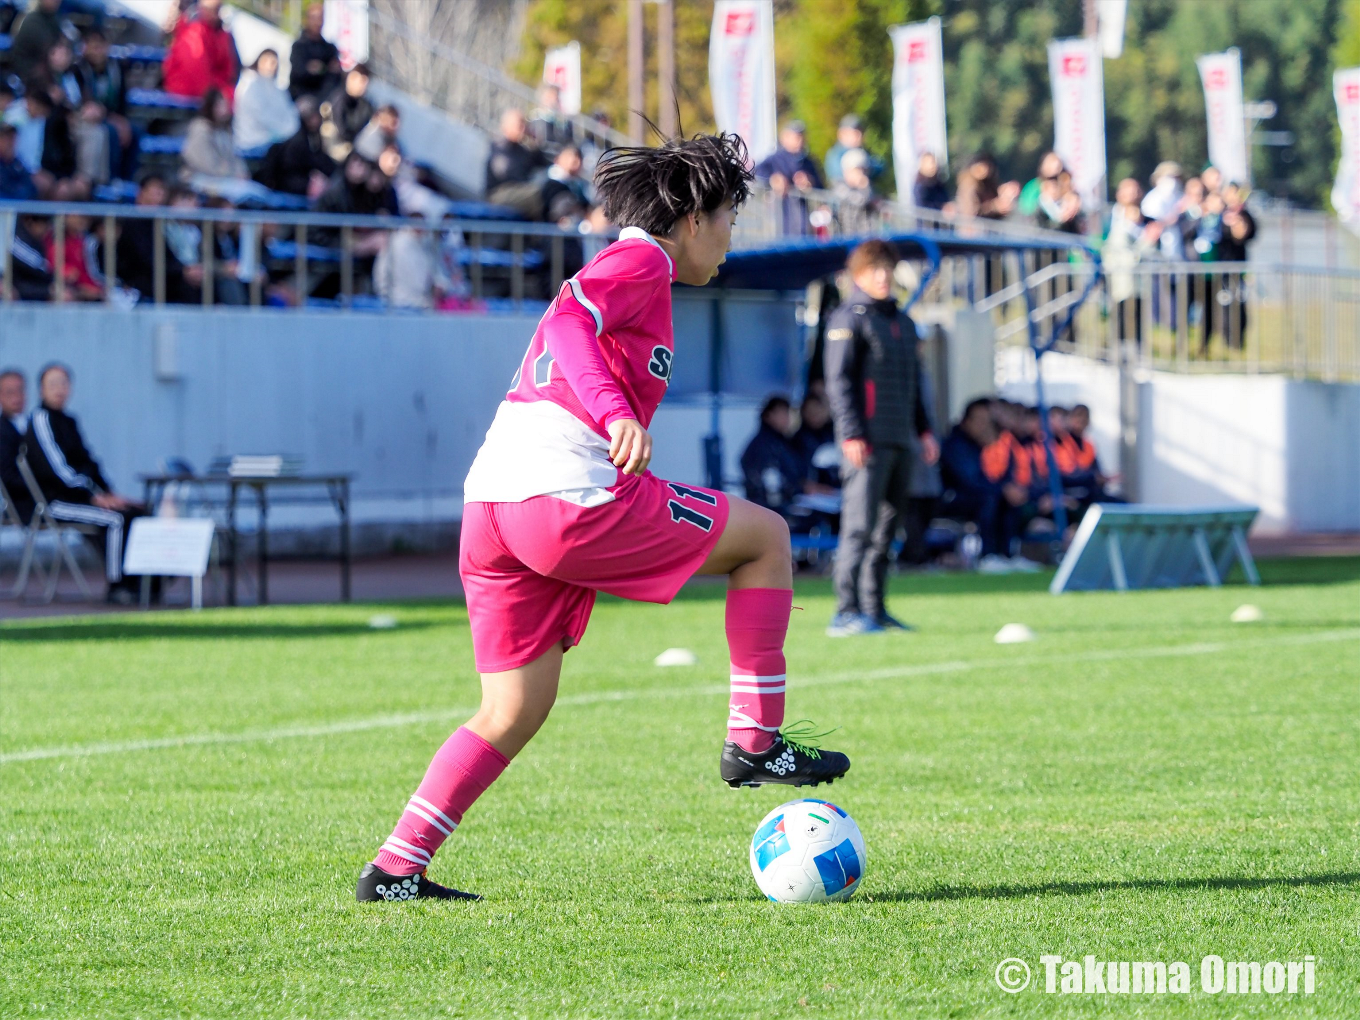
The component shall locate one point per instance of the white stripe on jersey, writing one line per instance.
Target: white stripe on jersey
(587, 304)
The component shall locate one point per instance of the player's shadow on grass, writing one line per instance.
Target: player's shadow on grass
(1018, 892)
(155, 629)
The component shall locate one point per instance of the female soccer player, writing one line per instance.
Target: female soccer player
(560, 505)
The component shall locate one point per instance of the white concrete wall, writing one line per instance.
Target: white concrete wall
(1290, 447)
(402, 401)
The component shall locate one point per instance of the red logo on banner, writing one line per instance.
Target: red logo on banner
(1074, 65)
(916, 51)
(1353, 93)
(1216, 79)
(557, 75)
(740, 23)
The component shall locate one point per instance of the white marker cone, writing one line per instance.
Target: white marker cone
(1014, 634)
(676, 657)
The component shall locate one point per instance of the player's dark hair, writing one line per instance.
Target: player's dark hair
(652, 188)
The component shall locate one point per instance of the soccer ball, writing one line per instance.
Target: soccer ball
(807, 851)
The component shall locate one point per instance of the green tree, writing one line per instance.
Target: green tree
(601, 27)
(836, 58)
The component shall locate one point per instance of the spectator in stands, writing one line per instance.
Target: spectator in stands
(1161, 207)
(184, 238)
(980, 192)
(16, 183)
(72, 482)
(790, 172)
(985, 483)
(31, 120)
(359, 188)
(102, 82)
(849, 135)
(815, 443)
(32, 272)
(1027, 204)
(379, 133)
(235, 265)
(57, 176)
(1192, 212)
(299, 165)
(13, 431)
(98, 153)
(264, 112)
(769, 464)
(60, 74)
(1226, 308)
(550, 128)
(136, 253)
(209, 148)
(315, 62)
(929, 191)
(79, 249)
(873, 379)
(566, 194)
(1060, 205)
(346, 113)
(858, 204)
(1126, 242)
(201, 55)
(40, 28)
(512, 166)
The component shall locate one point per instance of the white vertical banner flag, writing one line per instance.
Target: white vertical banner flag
(1346, 191)
(741, 72)
(1079, 115)
(562, 67)
(346, 25)
(1110, 17)
(918, 100)
(1221, 74)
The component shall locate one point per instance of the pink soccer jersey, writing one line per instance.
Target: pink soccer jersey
(604, 349)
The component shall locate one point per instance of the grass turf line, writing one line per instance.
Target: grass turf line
(1082, 796)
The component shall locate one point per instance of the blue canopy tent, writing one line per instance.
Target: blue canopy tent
(791, 265)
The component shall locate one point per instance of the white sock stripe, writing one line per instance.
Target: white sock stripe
(397, 851)
(398, 841)
(741, 721)
(417, 799)
(743, 689)
(742, 678)
(416, 809)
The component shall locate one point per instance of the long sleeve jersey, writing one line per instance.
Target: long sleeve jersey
(601, 353)
(62, 463)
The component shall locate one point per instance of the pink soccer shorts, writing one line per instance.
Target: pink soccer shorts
(530, 570)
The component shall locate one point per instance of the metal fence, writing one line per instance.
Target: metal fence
(281, 258)
(1297, 320)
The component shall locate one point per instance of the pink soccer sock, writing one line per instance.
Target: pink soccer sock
(460, 773)
(757, 623)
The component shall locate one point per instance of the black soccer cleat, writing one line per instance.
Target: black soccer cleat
(376, 884)
(788, 762)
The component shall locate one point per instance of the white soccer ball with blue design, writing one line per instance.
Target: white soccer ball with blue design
(808, 851)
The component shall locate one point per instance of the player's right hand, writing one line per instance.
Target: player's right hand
(630, 447)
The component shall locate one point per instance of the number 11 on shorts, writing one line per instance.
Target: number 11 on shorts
(680, 512)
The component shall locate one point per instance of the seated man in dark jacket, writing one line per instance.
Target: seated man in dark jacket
(72, 482)
(13, 429)
(314, 62)
(514, 171)
(137, 254)
(771, 467)
(33, 277)
(299, 165)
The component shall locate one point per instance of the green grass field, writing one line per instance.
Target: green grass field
(187, 800)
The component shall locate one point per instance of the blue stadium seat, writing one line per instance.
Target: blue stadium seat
(495, 257)
(161, 100)
(483, 211)
(286, 251)
(138, 54)
(165, 145)
(119, 191)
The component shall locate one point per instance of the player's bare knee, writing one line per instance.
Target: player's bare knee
(774, 537)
